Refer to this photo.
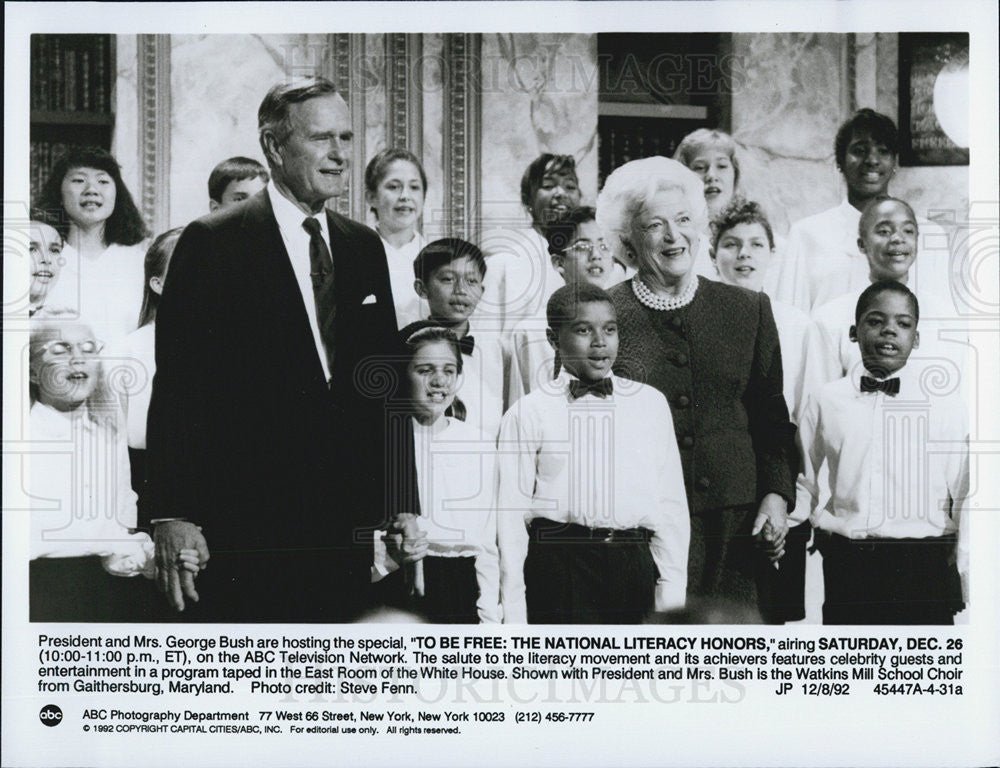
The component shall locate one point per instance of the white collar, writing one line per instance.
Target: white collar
(290, 217)
(849, 212)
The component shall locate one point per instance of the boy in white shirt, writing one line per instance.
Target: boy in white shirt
(897, 454)
(592, 516)
(450, 275)
(580, 255)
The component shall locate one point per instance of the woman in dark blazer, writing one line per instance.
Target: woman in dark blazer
(712, 350)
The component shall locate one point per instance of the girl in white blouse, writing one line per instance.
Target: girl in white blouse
(458, 580)
(104, 232)
(84, 509)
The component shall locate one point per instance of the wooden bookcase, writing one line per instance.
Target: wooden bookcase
(72, 78)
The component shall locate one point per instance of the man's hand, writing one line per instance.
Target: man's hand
(771, 526)
(174, 577)
(404, 541)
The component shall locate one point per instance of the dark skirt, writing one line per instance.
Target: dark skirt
(728, 573)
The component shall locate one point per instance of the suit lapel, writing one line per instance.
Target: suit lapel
(282, 289)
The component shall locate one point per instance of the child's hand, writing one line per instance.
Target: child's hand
(771, 526)
(404, 541)
(189, 560)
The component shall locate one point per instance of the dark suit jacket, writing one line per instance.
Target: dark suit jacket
(718, 362)
(245, 437)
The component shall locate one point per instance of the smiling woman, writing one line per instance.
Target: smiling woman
(395, 188)
(101, 278)
(713, 351)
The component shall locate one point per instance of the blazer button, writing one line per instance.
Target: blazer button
(702, 483)
(676, 322)
(687, 441)
(683, 401)
(681, 359)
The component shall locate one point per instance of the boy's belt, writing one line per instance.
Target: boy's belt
(543, 530)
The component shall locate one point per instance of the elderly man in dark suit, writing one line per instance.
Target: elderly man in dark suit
(266, 442)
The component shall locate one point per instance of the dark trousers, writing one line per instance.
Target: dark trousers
(573, 575)
(889, 581)
(782, 590)
(283, 586)
(79, 589)
(451, 591)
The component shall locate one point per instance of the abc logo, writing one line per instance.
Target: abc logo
(50, 715)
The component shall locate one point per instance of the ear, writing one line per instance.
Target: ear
(916, 339)
(629, 256)
(553, 338)
(420, 288)
(861, 246)
(270, 146)
(557, 263)
(853, 334)
(213, 206)
(156, 285)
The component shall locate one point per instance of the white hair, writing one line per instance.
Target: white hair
(631, 186)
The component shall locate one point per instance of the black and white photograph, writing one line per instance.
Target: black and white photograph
(648, 327)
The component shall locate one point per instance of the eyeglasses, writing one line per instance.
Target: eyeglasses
(60, 348)
(586, 247)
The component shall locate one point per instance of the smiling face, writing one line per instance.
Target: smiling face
(887, 333)
(664, 237)
(432, 376)
(889, 240)
(588, 344)
(45, 246)
(452, 291)
(587, 258)
(312, 164)
(88, 195)
(868, 167)
(743, 254)
(557, 193)
(66, 371)
(716, 169)
(399, 197)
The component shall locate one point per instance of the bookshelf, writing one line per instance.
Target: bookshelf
(72, 80)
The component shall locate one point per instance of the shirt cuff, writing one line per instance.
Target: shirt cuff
(669, 597)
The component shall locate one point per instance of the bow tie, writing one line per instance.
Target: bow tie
(578, 389)
(467, 344)
(889, 386)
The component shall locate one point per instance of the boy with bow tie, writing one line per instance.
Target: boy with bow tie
(450, 274)
(593, 520)
(892, 535)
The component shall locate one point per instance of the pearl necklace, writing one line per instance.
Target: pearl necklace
(648, 298)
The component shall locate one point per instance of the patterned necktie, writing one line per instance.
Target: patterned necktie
(321, 272)
(889, 386)
(601, 388)
(467, 344)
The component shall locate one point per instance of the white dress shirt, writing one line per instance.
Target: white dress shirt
(105, 291)
(793, 335)
(532, 359)
(409, 306)
(830, 353)
(130, 365)
(296, 240)
(83, 502)
(456, 480)
(821, 259)
(599, 462)
(898, 465)
(484, 374)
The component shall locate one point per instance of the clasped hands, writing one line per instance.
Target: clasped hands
(771, 526)
(181, 553)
